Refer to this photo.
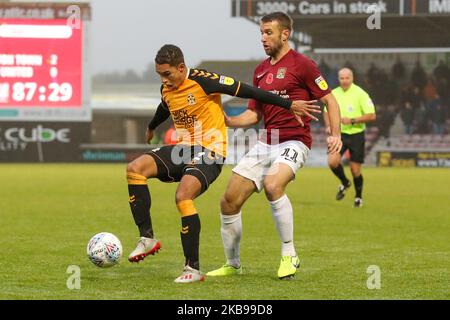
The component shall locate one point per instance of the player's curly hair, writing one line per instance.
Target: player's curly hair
(284, 21)
(169, 54)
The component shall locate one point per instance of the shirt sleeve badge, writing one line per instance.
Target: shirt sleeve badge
(321, 83)
(226, 81)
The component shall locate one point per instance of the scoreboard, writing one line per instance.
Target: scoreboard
(40, 64)
(43, 70)
(45, 112)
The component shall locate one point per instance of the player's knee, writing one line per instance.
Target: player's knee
(133, 167)
(229, 204)
(182, 195)
(273, 189)
(134, 177)
(356, 172)
(333, 163)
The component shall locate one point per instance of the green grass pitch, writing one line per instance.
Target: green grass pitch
(49, 212)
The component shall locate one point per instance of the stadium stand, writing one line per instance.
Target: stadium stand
(421, 141)
(320, 137)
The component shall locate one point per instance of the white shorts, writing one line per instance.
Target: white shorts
(255, 164)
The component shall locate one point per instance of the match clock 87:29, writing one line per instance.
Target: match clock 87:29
(30, 91)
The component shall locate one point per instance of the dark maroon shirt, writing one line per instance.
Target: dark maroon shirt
(294, 77)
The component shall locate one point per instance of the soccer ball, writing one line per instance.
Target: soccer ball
(104, 250)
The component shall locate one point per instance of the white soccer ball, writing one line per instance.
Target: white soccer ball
(104, 250)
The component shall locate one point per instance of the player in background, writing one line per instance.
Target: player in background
(356, 108)
(192, 98)
(270, 165)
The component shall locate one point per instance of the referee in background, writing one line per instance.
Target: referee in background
(356, 109)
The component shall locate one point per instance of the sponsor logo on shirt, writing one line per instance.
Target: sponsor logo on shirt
(281, 73)
(182, 118)
(259, 76)
(321, 83)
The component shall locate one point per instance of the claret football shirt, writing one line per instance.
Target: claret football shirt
(294, 77)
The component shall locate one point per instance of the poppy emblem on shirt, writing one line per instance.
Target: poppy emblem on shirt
(281, 73)
(269, 78)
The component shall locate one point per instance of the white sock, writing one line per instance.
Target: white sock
(231, 237)
(283, 215)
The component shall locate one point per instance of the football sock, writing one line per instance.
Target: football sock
(190, 233)
(339, 172)
(231, 231)
(190, 239)
(140, 202)
(358, 181)
(283, 215)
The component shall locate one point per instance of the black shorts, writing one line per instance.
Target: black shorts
(356, 144)
(175, 161)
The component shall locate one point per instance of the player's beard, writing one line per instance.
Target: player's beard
(275, 50)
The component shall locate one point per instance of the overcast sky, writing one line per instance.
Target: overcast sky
(127, 34)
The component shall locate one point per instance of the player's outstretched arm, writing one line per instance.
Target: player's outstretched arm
(299, 108)
(213, 83)
(249, 92)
